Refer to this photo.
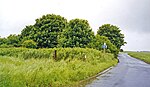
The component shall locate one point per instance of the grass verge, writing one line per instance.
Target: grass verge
(144, 56)
(43, 72)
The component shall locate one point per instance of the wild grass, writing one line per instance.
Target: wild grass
(17, 71)
(144, 56)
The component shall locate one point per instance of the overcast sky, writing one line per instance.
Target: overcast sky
(132, 16)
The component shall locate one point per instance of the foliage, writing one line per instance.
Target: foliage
(78, 34)
(113, 33)
(121, 50)
(62, 53)
(145, 56)
(13, 40)
(27, 33)
(29, 44)
(51, 31)
(6, 46)
(43, 72)
(98, 43)
(46, 31)
(2, 41)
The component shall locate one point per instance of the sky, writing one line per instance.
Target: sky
(131, 16)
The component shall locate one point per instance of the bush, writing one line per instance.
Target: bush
(121, 50)
(5, 46)
(29, 44)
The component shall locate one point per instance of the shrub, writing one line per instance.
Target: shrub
(121, 50)
(5, 46)
(29, 44)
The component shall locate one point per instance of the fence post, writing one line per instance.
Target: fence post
(55, 55)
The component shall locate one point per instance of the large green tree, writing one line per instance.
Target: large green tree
(28, 33)
(113, 33)
(46, 31)
(77, 34)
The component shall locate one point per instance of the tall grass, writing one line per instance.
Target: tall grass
(30, 70)
(145, 56)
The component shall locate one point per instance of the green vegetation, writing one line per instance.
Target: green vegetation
(113, 33)
(98, 41)
(54, 31)
(29, 44)
(78, 34)
(145, 56)
(46, 31)
(63, 54)
(12, 40)
(21, 67)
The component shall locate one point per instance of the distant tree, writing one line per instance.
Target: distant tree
(2, 40)
(13, 40)
(46, 31)
(113, 33)
(77, 34)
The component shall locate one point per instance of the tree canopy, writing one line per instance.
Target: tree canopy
(2, 41)
(77, 34)
(11, 40)
(46, 31)
(52, 30)
(113, 33)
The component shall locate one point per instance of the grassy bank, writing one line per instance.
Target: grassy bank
(144, 56)
(20, 67)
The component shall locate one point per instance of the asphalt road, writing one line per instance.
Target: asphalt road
(130, 72)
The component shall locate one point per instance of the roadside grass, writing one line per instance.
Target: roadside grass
(144, 56)
(26, 69)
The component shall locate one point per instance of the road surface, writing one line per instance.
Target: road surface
(130, 72)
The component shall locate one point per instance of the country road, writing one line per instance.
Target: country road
(130, 72)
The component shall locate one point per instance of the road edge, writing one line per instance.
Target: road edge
(84, 82)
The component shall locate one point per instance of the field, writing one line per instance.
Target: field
(22, 67)
(144, 56)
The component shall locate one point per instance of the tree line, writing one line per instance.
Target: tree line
(54, 31)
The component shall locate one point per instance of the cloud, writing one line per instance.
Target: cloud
(137, 42)
(132, 16)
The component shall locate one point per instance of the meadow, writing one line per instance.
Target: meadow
(144, 56)
(22, 67)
